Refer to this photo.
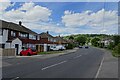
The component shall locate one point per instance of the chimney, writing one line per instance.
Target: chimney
(47, 32)
(20, 23)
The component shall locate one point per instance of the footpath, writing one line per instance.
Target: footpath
(108, 67)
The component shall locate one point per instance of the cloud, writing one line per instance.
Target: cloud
(28, 12)
(89, 18)
(51, 27)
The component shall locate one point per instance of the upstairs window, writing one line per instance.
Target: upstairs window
(32, 37)
(38, 37)
(1, 32)
(23, 35)
(13, 33)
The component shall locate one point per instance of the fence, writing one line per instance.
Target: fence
(8, 52)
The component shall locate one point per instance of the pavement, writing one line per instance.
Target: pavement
(76, 63)
(109, 66)
(43, 56)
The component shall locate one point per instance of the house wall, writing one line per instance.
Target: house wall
(4, 37)
(45, 47)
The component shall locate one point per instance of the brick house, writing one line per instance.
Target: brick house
(46, 41)
(17, 36)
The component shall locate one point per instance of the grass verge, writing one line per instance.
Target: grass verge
(51, 52)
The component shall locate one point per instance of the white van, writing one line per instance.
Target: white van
(56, 48)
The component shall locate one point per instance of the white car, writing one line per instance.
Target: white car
(58, 47)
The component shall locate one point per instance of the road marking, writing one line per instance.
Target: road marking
(77, 56)
(99, 68)
(53, 65)
(15, 78)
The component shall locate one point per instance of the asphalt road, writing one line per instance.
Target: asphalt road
(84, 63)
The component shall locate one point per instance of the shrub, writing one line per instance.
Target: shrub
(111, 46)
(69, 46)
(116, 51)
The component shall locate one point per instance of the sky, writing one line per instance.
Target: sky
(63, 18)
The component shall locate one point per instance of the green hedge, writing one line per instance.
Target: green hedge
(70, 46)
(116, 51)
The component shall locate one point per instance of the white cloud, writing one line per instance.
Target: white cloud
(89, 18)
(4, 4)
(27, 6)
(28, 12)
(50, 27)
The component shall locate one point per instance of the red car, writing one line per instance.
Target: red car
(28, 52)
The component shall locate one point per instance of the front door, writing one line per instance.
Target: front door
(17, 47)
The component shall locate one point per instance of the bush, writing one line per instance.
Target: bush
(70, 46)
(116, 51)
(111, 46)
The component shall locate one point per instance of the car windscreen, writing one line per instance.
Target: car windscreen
(34, 50)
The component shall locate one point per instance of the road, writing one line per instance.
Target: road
(84, 63)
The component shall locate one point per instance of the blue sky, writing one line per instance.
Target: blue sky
(64, 18)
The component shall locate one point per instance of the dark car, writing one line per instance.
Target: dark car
(80, 47)
(86, 47)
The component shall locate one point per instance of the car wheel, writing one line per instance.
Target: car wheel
(29, 54)
(20, 54)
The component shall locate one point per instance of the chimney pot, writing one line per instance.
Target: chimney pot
(47, 32)
(20, 23)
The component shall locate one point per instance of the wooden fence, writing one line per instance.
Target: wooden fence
(8, 52)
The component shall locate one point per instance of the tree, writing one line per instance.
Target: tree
(116, 39)
(71, 37)
(81, 40)
(94, 41)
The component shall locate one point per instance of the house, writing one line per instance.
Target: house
(17, 36)
(61, 41)
(46, 41)
(106, 41)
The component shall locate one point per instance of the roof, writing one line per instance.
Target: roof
(16, 27)
(45, 35)
(58, 38)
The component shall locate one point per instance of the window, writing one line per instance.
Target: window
(50, 39)
(1, 32)
(38, 37)
(32, 37)
(24, 35)
(13, 33)
(2, 46)
(54, 40)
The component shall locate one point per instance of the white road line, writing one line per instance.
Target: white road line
(15, 78)
(53, 65)
(99, 68)
(77, 56)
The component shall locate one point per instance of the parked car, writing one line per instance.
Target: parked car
(28, 52)
(80, 47)
(86, 47)
(56, 48)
